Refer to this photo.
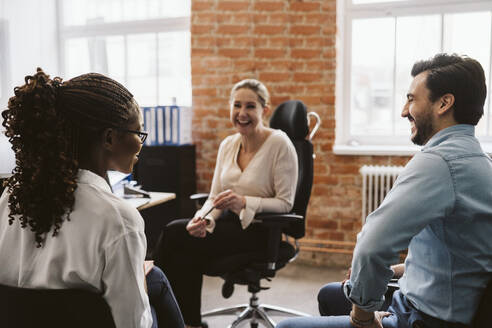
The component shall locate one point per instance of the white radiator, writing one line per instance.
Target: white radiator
(376, 183)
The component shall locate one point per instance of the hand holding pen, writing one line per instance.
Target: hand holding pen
(197, 226)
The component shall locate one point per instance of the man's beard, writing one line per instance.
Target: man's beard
(425, 128)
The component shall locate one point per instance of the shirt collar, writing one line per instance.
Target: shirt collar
(464, 129)
(88, 177)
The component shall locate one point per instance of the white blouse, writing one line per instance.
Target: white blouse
(268, 182)
(102, 248)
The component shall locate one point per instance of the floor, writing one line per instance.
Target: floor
(295, 286)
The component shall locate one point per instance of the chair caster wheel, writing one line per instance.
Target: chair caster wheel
(254, 325)
(227, 289)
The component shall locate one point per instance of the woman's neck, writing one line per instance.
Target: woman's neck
(251, 143)
(93, 162)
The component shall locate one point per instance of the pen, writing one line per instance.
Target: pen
(208, 212)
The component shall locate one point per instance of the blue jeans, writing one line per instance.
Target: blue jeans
(334, 308)
(165, 309)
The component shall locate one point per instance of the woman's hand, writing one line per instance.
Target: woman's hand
(197, 227)
(228, 199)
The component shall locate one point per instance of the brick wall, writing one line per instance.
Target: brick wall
(290, 46)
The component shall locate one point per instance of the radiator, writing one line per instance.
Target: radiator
(376, 183)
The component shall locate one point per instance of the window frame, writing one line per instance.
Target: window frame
(346, 12)
(124, 29)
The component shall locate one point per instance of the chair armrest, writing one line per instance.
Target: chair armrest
(199, 198)
(278, 218)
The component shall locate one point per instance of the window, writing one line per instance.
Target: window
(379, 40)
(144, 44)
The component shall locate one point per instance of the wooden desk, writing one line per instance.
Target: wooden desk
(156, 198)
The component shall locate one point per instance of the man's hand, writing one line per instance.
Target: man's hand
(398, 269)
(362, 319)
(228, 199)
(197, 227)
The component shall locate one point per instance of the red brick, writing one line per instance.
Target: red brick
(244, 64)
(232, 29)
(307, 77)
(201, 29)
(204, 18)
(345, 169)
(305, 29)
(233, 52)
(305, 53)
(323, 224)
(270, 53)
(305, 6)
(197, 6)
(202, 51)
(269, 6)
(277, 42)
(235, 18)
(204, 41)
(278, 18)
(329, 180)
(232, 5)
(269, 29)
(243, 42)
(274, 77)
(204, 92)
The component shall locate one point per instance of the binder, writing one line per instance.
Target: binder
(147, 127)
(167, 128)
(160, 125)
(167, 125)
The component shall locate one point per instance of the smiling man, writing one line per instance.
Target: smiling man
(440, 208)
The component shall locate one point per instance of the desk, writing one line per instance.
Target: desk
(156, 198)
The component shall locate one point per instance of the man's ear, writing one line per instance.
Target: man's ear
(108, 138)
(446, 102)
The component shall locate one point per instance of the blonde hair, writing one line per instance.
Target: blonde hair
(257, 87)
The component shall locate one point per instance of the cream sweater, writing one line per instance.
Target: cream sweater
(268, 182)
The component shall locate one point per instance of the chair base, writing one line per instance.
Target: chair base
(255, 313)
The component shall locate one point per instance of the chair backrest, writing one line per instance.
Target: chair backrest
(24, 307)
(291, 117)
(483, 316)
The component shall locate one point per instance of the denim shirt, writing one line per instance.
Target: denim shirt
(440, 208)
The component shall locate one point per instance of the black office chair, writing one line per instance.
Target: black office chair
(249, 268)
(53, 308)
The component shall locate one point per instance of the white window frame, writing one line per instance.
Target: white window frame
(346, 12)
(123, 28)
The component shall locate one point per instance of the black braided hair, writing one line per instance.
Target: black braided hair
(47, 122)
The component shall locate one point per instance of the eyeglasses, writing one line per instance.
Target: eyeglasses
(141, 134)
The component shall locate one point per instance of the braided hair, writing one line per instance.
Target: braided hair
(49, 124)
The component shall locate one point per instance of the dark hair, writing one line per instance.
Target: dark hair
(50, 124)
(461, 76)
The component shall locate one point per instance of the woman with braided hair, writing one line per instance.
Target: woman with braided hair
(60, 225)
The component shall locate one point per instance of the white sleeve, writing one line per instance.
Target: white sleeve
(285, 171)
(123, 281)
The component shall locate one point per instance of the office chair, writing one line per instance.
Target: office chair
(53, 308)
(249, 268)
